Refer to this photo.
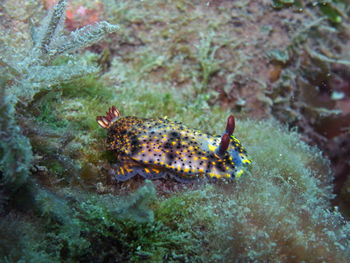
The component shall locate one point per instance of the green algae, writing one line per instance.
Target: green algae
(287, 191)
(330, 9)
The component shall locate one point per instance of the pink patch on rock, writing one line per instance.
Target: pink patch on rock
(79, 15)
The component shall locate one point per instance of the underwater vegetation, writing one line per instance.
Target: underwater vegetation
(330, 9)
(25, 75)
(58, 202)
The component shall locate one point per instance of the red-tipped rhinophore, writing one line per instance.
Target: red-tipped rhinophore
(230, 126)
(225, 141)
(111, 115)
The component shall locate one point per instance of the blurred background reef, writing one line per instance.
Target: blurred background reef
(281, 67)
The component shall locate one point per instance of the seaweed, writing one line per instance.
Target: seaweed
(15, 148)
(330, 9)
(25, 75)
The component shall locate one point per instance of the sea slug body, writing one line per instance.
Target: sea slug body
(154, 148)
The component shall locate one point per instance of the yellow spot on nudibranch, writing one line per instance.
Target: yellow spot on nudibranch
(239, 173)
(212, 148)
(211, 175)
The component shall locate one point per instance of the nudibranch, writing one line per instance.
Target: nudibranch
(155, 148)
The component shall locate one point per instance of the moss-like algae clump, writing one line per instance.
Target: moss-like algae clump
(279, 211)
